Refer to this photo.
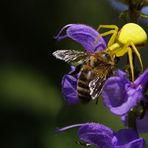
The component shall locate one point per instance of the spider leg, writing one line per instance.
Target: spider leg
(113, 37)
(107, 33)
(138, 55)
(122, 51)
(130, 55)
(108, 27)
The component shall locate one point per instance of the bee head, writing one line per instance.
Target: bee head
(103, 57)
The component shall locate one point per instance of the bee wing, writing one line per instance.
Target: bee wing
(95, 86)
(71, 56)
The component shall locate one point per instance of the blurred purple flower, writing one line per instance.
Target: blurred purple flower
(86, 36)
(118, 5)
(103, 137)
(120, 94)
(141, 124)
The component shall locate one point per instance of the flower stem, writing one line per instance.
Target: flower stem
(133, 17)
(132, 120)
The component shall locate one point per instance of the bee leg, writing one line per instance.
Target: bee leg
(138, 55)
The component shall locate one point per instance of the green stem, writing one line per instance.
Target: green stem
(132, 120)
(133, 17)
(132, 12)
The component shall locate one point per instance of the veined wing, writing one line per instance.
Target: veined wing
(96, 84)
(73, 57)
(95, 87)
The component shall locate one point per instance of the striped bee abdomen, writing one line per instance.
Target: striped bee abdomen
(86, 75)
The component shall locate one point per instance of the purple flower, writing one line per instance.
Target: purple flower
(141, 124)
(83, 34)
(103, 137)
(120, 94)
(86, 36)
(69, 88)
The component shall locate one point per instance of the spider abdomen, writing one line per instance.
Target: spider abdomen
(132, 32)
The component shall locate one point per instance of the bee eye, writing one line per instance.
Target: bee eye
(106, 56)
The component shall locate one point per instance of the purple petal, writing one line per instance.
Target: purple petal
(103, 137)
(69, 89)
(126, 135)
(142, 79)
(142, 125)
(122, 75)
(124, 119)
(128, 138)
(118, 5)
(83, 34)
(97, 134)
(137, 143)
(119, 95)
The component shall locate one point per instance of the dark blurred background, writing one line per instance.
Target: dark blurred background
(31, 104)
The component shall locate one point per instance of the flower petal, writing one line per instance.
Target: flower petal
(142, 125)
(122, 75)
(142, 79)
(97, 134)
(128, 138)
(103, 137)
(118, 5)
(126, 135)
(137, 143)
(119, 95)
(69, 89)
(83, 34)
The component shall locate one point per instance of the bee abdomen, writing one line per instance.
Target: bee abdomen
(84, 94)
(83, 84)
(84, 98)
(83, 88)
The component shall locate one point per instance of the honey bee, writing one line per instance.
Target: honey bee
(93, 70)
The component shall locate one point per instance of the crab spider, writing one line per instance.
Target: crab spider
(126, 40)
